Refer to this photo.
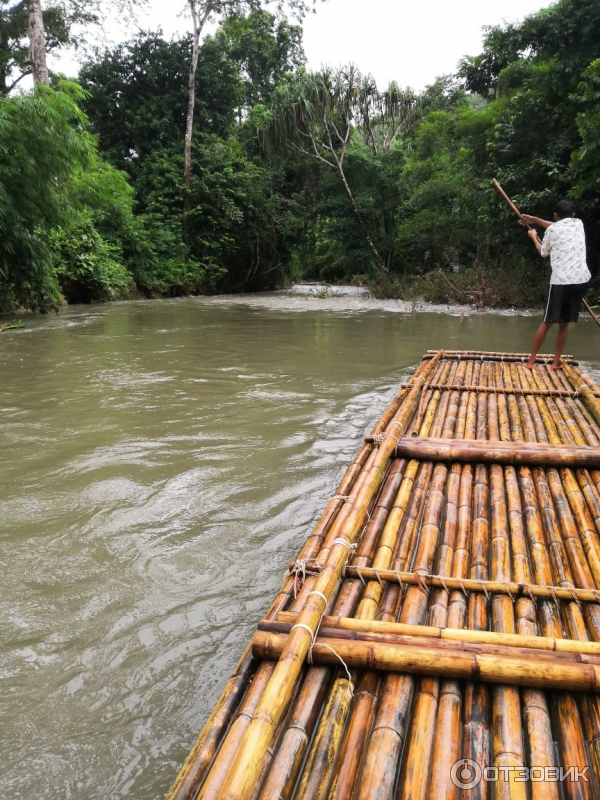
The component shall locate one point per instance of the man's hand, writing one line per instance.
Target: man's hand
(535, 239)
(529, 220)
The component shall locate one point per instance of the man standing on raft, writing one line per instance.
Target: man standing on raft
(564, 242)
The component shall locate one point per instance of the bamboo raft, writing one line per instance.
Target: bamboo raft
(445, 607)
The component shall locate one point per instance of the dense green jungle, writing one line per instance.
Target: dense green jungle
(109, 189)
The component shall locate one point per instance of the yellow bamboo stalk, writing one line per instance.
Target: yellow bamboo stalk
(551, 672)
(583, 388)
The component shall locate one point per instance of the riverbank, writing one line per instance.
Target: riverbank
(501, 288)
(304, 297)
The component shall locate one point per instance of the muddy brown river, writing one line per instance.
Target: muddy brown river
(162, 462)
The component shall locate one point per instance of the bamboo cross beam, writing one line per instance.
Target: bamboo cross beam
(502, 390)
(482, 451)
(488, 353)
(503, 357)
(465, 585)
(498, 647)
(555, 671)
(361, 626)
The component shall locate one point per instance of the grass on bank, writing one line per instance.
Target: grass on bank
(502, 288)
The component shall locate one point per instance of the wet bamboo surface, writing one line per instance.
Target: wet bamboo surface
(446, 607)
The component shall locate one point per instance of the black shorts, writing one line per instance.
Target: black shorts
(564, 302)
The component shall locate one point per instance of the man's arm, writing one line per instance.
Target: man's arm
(543, 223)
(536, 240)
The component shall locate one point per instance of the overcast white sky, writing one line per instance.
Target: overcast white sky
(411, 42)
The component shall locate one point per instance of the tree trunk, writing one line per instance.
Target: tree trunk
(37, 44)
(189, 128)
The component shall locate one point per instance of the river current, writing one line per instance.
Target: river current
(161, 463)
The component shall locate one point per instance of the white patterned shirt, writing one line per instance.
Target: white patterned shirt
(564, 242)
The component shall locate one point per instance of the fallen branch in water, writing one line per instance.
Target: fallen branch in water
(9, 326)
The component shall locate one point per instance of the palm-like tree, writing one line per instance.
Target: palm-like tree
(318, 114)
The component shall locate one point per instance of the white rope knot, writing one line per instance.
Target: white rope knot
(321, 595)
(351, 548)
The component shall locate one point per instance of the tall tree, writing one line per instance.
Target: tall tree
(318, 113)
(37, 44)
(65, 24)
(201, 12)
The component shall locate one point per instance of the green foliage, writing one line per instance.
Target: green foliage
(61, 208)
(585, 162)
(87, 266)
(295, 174)
(263, 49)
(42, 144)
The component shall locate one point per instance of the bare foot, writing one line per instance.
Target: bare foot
(530, 365)
(556, 367)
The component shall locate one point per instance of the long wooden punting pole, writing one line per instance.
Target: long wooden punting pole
(247, 763)
(547, 671)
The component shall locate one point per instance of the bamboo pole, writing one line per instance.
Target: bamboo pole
(552, 671)
(502, 357)
(487, 354)
(414, 780)
(486, 452)
(247, 762)
(582, 388)
(384, 748)
(555, 392)
(478, 642)
(447, 738)
(286, 765)
(535, 714)
(469, 586)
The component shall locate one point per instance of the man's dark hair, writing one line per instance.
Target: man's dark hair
(565, 208)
